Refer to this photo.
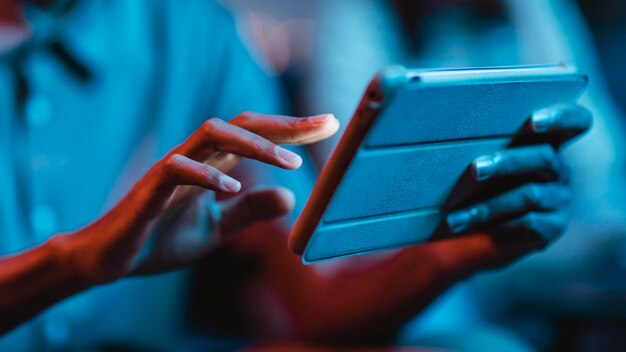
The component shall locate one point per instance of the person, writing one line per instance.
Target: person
(355, 301)
(89, 126)
(578, 276)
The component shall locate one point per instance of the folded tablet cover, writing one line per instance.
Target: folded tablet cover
(414, 154)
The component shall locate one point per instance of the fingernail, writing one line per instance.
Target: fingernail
(230, 183)
(321, 119)
(484, 167)
(458, 221)
(542, 120)
(462, 219)
(289, 157)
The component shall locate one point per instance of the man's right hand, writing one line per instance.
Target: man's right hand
(109, 248)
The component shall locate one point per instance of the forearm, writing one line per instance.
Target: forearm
(66, 264)
(34, 280)
(369, 302)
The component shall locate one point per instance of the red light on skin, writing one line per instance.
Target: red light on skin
(13, 27)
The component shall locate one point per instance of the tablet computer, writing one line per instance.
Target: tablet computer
(413, 135)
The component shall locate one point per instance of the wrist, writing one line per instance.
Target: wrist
(81, 259)
(459, 258)
(68, 256)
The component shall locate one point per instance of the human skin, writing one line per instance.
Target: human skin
(109, 248)
(269, 295)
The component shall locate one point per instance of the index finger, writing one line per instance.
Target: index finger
(282, 129)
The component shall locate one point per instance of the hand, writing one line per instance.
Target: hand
(533, 209)
(109, 248)
(178, 241)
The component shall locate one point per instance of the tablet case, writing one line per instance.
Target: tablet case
(422, 140)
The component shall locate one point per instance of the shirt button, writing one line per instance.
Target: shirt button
(43, 220)
(56, 331)
(38, 111)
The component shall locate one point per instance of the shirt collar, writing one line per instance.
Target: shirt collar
(50, 32)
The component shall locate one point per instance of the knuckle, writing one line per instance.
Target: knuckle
(173, 161)
(294, 136)
(500, 162)
(556, 165)
(261, 145)
(564, 166)
(209, 126)
(267, 149)
(481, 212)
(248, 114)
(210, 172)
(295, 122)
(530, 222)
(561, 196)
(544, 227)
(243, 118)
(546, 152)
(549, 157)
(250, 147)
(533, 194)
(172, 167)
(508, 162)
(267, 146)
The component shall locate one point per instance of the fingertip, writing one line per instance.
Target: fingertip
(229, 184)
(328, 123)
(287, 197)
(287, 194)
(321, 119)
(457, 221)
(236, 188)
(334, 125)
(289, 159)
(296, 163)
(561, 117)
(483, 168)
(543, 119)
(272, 201)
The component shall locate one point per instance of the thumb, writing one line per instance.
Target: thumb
(255, 204)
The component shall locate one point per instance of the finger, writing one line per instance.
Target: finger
(517, 161)
(286, 129)
(525, 199)
(181, 170)
(255, 205)
(216, 135)
(563, 121)
(544, 227)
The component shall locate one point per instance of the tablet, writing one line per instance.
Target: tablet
(413, 135)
